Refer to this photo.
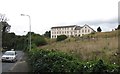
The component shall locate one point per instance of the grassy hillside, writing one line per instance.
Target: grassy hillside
(104, 34)
(102, 45)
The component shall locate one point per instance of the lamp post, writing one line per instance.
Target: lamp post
(29, 26)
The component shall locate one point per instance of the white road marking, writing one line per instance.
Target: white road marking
(13, 66)
(17, 62)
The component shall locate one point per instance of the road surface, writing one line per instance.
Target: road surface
(19, 66)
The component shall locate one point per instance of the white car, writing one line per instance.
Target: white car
(9, 56)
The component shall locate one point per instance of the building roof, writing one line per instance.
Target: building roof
(89, 27)
(78, 28)
(64, 26)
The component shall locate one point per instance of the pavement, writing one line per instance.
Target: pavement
(22, 65)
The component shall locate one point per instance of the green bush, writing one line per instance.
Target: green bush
(56, 61)
(99, 67)
(53, 61)
(38, 40)
(61, 37)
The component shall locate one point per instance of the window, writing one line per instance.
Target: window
(52, 32)
(88, 30)
(82, 30)
(85, 31)
(71, 28)
(71, 33)
(79, 31)
(75, 31)
(67, 31)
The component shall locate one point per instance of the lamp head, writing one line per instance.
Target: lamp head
(22, 14)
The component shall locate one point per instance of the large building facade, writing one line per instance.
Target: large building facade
(72, 30)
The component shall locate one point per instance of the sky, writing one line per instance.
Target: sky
(45, 14)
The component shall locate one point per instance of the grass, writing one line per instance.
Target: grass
(103, 46)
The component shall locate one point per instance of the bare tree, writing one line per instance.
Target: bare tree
(3, 18)
(4, 26)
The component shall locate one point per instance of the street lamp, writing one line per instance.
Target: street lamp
(29, 26)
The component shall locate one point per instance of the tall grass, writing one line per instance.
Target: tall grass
(103, 46)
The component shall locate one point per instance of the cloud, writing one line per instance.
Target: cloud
(106, 25)
(98, 22)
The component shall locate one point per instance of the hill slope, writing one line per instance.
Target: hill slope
(102, 45)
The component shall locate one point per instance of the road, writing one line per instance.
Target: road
(15, 67)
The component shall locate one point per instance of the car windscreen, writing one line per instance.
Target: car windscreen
(9, 53)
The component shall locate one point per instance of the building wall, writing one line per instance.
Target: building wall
(85, 30)
(70, 31)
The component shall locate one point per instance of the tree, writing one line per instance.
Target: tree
(4, 29)
(8, 40)
(47, 34)
(4, 26)
(38, 40)
(3, 18)
(118, 27)
(61, 37)
(99, 29)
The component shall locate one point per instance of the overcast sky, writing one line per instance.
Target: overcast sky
(49, 13)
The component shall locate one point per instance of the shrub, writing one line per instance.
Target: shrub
(118, 27)
(52, 61)
(99, 67)
(61, 37)
(92, 33)
(56, 61)
(38, 40)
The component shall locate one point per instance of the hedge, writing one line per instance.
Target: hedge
(43, 60)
